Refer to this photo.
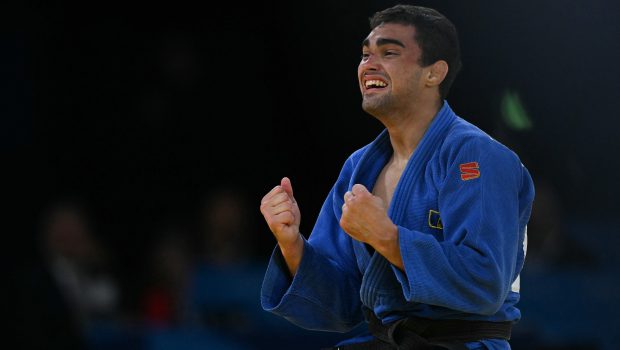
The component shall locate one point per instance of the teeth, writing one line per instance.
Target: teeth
(378, 83)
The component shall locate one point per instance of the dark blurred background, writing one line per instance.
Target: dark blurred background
(138, 138)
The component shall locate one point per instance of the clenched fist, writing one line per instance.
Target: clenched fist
(364, 217)
(283, 217)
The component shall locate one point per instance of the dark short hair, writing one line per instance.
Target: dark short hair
(435, 34)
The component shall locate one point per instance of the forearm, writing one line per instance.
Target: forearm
(388, 245)
(292, 254)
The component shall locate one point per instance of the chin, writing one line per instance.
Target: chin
(374, 108)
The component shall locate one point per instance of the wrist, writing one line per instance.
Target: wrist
(293, 247)
(391, 248)
(292, 253)
(389, 240)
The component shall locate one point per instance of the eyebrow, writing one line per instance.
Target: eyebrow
(383, 41)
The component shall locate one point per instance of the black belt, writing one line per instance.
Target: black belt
(420, 333)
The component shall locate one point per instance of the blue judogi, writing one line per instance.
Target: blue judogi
(461, 207)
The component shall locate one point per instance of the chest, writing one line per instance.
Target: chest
(412, 199)
(387, 181)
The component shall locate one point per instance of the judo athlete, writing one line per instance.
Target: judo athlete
(423, 234)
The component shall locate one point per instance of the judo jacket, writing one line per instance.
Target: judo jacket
(461, 207)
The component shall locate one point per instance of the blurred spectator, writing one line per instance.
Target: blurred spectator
(225, 281)
(550, 243)
(79, 263)
(168, 272)
(224, 290)
(197, 296)
(224, 226)
(39, 314)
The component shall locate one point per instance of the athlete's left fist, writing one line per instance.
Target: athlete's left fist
(364, 217)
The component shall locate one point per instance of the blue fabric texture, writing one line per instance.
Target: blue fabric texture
(461, 207)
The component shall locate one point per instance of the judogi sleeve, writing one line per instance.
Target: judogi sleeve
(324, 293)
(481, 207)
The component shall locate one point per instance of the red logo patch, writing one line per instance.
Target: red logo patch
(469, 171)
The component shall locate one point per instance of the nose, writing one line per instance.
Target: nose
(369, 61)
(367, 66)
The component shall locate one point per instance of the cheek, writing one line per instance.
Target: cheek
(417, 75)
(408, 80)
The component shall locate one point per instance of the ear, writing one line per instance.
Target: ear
(436, 73)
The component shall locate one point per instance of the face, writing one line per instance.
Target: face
(389, 74)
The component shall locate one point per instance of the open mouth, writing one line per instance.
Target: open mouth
(375, 84)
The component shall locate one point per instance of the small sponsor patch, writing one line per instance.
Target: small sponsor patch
(469, 171)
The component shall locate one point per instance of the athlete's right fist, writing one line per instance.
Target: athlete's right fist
(282, 213)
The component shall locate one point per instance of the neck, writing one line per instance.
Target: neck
(407, 129)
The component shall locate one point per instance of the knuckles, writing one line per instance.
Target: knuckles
(279, 210)
(358, 189)
(274, 192)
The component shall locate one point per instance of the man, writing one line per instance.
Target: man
(423, 233)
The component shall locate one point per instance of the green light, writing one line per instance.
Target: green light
(513, 112)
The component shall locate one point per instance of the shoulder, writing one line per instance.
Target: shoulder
(350, 164)
(355, 157)
(465, 140)
(379, 145)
